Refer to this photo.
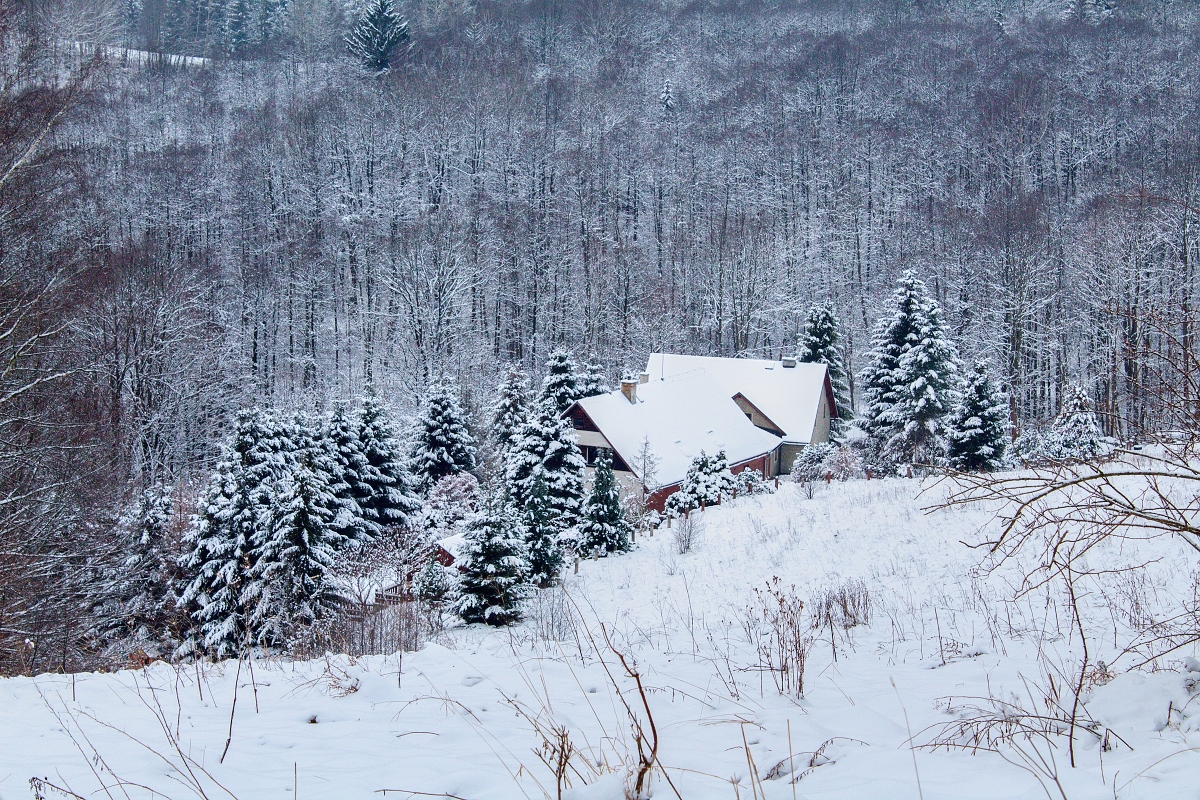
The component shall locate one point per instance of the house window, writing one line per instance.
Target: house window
(592, 454)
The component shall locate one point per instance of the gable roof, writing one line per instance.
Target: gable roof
(788, 396)
(679, 416)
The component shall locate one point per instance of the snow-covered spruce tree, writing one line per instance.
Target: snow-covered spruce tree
(820, 344)
(563, 384)
(135, 605)
(810, 464)
(289, 587)
(377, 35)
(910, 381)
(977, 431)
(548, 442)
(386, 488)
(543, 545)
(441, 443)
(346, 463)
(511, 409)
(604, 527)
(1076, 433)
(593, 382)
(708, 479)
(450, 503)
(494, 577)
(220, 548)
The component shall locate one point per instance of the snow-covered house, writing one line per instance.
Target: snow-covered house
(761, 413)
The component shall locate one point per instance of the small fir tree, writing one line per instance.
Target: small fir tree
(820, 344)
(511, 409)
(136, 601)
(563, 384)
(542, 533)
(910, 381)
(977, 432)
(386, 488)
(593, 382)
(547, 442)
(377, 36)
(220, 548)
(494, 578)
(291, 589)
(1076, 433)
(604, 527)
(347, 465)
(441, 444)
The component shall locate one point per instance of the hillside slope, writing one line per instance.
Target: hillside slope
(461, 717)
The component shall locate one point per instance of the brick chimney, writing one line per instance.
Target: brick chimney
(629, 389)
(789, 362)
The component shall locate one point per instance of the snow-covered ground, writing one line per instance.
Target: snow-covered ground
(458, 718)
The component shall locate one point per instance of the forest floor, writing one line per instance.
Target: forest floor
(476, 714)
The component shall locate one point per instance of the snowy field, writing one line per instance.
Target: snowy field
(479, 713)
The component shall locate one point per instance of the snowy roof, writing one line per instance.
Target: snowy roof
(789, 396)
(680, 416)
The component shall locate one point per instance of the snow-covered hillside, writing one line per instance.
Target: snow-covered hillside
(479, 714)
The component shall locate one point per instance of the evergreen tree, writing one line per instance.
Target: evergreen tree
(593, 382)
(493, 581)
(136, 601)
(377, 35)
(221, 545)
(562, 385)
(977, 432)
(819, 344)
(547, 442)
(604, 526)
(707, 481)
(910, 380)
(347, 466)
(386, 489)
(666, 98)
(290, 587)
(543, 545)
(441, 445)
(1076, 433)
(237, 34)
(511, 409)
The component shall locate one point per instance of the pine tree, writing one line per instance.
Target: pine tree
(1076, 433)
(386, 488)
(594, 382)
(377, 36)
(493, 582)
(707, 481)
(562, 385)
(604, 526)
(544, 548)
(347, 464)
(511, 409)
(819, 344)
(548, 443)
(237, 34)
(910, 381)
(666, 97)
(977, 431)
(221, 545)
(441, 444)
(290, 587)
(137, 597)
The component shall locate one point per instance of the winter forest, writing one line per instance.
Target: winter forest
(295, 292)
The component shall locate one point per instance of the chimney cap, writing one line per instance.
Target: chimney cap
(789, 361)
